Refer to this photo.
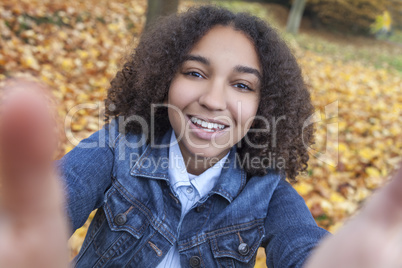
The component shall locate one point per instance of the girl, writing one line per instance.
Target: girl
(183, 175)
(207, 121)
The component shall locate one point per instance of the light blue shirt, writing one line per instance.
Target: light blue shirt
(189, 188)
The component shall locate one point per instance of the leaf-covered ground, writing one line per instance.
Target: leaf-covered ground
(76, 47)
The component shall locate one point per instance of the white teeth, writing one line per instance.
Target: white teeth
(207, 125)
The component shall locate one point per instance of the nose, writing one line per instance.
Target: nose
(214, 97)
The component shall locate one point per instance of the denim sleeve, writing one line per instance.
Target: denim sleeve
(86, 172)
(291, 231)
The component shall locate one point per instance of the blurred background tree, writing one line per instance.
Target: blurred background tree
(355, 16)
(295, 16)
(348, 16)
(382, 26)
(157, 8)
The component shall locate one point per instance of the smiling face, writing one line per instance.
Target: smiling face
(214, 96)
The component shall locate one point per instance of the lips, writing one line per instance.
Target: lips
(209, 125)
(206, 133)
(208, 120)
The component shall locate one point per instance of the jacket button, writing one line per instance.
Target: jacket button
(120, 219)
(195, 261)
(243, 249)
(200, 208)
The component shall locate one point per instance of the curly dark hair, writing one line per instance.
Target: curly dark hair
(148, 71)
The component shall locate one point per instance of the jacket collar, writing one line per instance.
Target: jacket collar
(154, 164)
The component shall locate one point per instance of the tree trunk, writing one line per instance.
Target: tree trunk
(295, 16)
(157, 8)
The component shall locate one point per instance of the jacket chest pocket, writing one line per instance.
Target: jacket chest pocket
(237, 247)
(122, 231)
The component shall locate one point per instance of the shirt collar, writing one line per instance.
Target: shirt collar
(151, 164)
(179, 176)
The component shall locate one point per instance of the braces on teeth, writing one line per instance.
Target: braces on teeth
(208, 126)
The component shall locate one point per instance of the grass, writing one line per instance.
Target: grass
(382, 54)
(379, 54)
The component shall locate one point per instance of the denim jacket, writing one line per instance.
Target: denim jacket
(138, 215)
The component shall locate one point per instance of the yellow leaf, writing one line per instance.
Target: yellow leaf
(68, 148)
(342, 147)
(373, 172)
(366, 154)
(303, 188)
(83, 54)
(80, 125)
(67, 64)
(82, 97)
(28, 61)
(336, 197)
(374, 182)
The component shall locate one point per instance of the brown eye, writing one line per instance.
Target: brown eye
(195, 74)
(243, 87)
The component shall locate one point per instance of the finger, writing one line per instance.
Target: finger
(27, 143)
(373, 238)
(34, 233)
(394, 189)
(385, 207)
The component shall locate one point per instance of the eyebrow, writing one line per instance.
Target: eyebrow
(238, 68)
(197, 58)
(248, 70)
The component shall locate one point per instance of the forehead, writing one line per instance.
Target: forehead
(228, 44)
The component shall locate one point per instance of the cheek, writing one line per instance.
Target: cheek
(179, 97)
(180, 94)
(246, 114)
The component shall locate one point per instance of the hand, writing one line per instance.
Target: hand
(33, 228)
(371, 239)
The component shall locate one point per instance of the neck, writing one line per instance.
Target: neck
(197, 164)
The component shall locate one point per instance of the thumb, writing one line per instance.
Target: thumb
(27, 144)
(385, 207)
(34, 233)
